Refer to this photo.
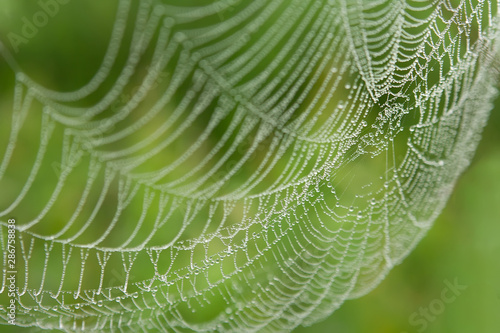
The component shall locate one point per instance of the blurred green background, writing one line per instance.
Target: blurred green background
(463, 245)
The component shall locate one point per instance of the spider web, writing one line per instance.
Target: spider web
(247, 165)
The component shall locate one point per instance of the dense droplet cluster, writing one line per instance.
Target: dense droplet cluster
(253, 164)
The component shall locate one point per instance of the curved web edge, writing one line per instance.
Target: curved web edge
(324, 273)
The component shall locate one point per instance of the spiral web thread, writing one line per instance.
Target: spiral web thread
(248, 166)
